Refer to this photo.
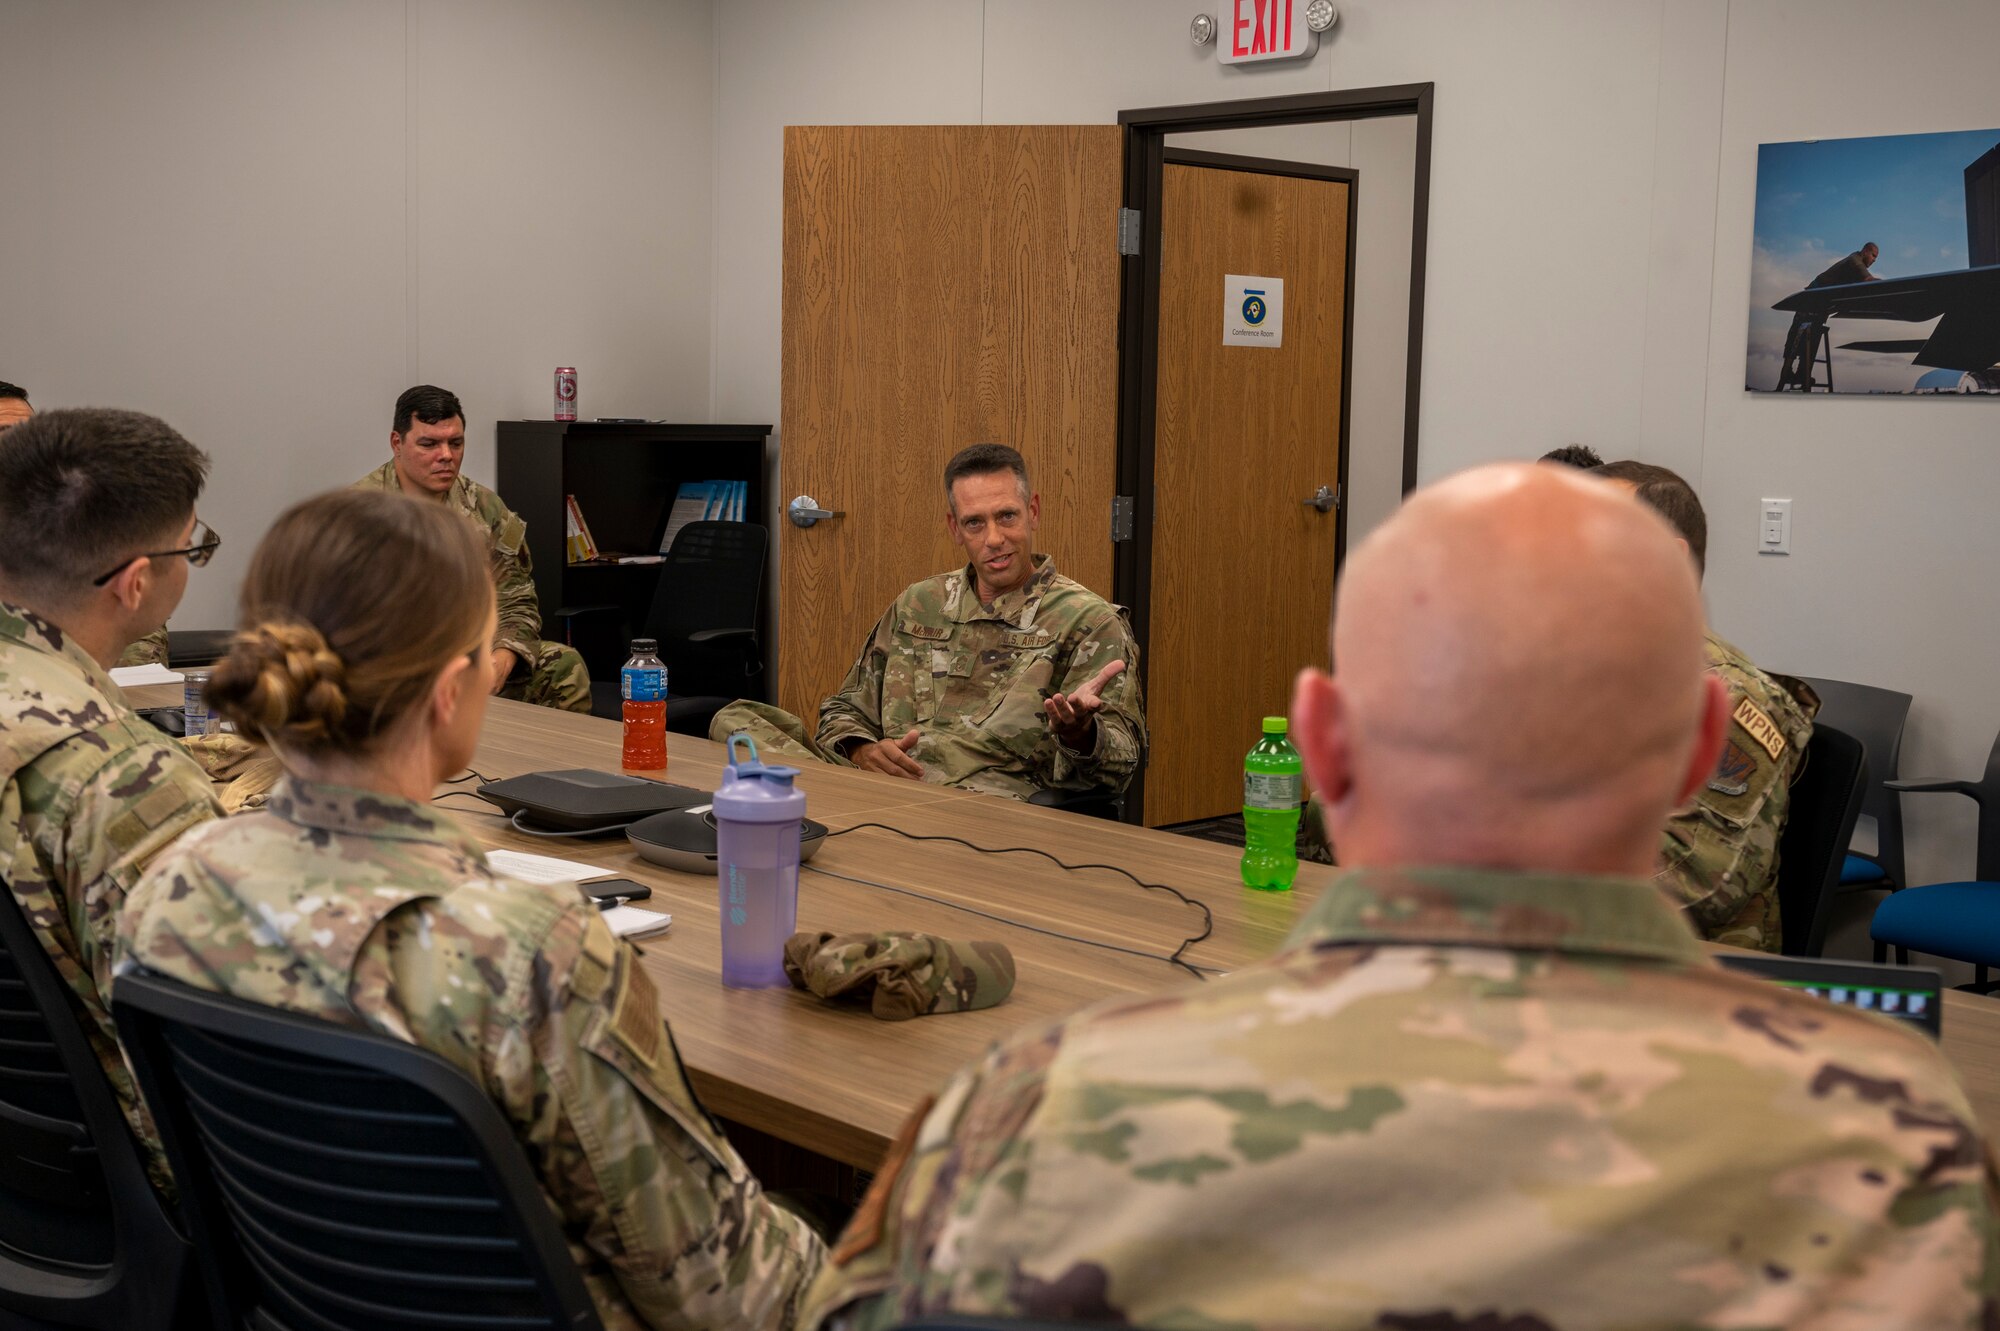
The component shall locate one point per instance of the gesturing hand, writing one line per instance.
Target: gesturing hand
(890, 757)
(1075, 716)
(503, 669)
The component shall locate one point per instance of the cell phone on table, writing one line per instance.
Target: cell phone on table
(609, 892)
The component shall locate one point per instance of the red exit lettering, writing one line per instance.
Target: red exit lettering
(1268, 23)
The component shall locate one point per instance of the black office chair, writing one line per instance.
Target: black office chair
(84, 1239)
(1826, 800)
(337, 1180)
(1875, 717)
(704, 616)
(1090, 805)
(188, 649)
(1957, 920)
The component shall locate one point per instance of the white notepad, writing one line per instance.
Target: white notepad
(132, 677)
(631, 922)
(543, 868)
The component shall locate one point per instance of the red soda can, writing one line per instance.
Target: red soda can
(566, 392)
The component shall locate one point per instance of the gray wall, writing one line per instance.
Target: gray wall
(262, 221)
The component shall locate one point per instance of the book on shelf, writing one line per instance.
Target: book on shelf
(704, 501)
(581, 547)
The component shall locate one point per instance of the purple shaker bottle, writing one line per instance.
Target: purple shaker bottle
(758, 813)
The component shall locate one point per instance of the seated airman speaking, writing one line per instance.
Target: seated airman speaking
(1003, 676)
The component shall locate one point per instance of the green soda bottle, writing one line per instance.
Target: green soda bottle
(1271, 810)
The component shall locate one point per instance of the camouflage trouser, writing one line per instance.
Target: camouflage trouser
(1313, 842)
(149, 650)
(554, 677)
(779, 734)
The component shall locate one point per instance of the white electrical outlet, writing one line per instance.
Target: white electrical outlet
(1774, 527)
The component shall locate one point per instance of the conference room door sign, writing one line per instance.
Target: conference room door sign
(1253, 311)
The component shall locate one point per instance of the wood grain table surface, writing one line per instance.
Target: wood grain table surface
(835, 1080)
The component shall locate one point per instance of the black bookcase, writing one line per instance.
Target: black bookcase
(624, 477)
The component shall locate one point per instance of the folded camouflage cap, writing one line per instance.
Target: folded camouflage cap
(902, 974)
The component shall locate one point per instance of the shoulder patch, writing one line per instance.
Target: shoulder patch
(1761, 728)
(1733, 771)
(864, 1231)
(932, 632)
(636, 1021)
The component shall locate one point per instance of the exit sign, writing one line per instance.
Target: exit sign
(1264, 30)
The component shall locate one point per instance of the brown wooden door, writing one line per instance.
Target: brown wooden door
(1242, 567)
(943, 286)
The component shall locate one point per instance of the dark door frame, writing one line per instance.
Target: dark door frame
(1146, 132)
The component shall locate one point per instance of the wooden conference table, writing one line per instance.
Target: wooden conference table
(836, 1081)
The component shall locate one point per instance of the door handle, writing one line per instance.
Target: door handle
(1325, 499)
(805, 511)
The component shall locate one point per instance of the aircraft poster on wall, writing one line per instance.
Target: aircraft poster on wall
(1876, 266)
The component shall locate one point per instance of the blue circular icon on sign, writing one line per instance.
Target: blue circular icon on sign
(1253, 308)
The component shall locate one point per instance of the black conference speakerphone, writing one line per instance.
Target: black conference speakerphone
(1908, 993)
(582, 801)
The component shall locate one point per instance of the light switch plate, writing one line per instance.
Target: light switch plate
(1774, 527)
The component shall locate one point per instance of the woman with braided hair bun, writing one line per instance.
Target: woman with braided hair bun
(351, 898)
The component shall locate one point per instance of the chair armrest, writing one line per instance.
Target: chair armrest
(746, 637)
(578, 611)
(1925, 785)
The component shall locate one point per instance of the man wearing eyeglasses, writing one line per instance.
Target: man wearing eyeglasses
(97, 534)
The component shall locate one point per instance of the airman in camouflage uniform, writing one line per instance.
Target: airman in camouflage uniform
(90, 793)
(149, 650)
(368, 910)
(1462, 1096)
(1455, 1099)
(1719, 856)
(973, 679)
(554, 675)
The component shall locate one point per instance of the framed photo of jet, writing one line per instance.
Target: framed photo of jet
(1876, 266)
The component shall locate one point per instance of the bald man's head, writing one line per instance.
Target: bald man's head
(1520, 681)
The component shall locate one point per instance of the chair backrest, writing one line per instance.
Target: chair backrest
(1825, 802)
(336, 1180)
(84, 1239)
(1875, 717)
(713, 578)
(1988, 864)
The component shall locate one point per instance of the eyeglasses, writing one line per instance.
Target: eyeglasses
(205, 544)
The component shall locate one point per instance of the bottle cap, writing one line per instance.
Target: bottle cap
(1276, 725)
(645, 646)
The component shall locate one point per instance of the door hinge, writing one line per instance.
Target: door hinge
(1128, 231)
(1121, 517)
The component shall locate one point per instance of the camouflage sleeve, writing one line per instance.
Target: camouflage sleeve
(952, 1157)
(1719, 856)
(514, 585)
(149, 650)
(1121, 726)
(130, 810)
(854, 711)
(587, 1070)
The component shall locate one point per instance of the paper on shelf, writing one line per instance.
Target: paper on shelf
(128, 677)
(543, 868)
(632, 922)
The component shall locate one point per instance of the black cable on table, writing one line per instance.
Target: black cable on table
(1175, 958)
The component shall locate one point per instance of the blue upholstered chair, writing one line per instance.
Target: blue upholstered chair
(1875, 717)
(1956, 920)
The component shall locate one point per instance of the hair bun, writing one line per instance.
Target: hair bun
(281, 681)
